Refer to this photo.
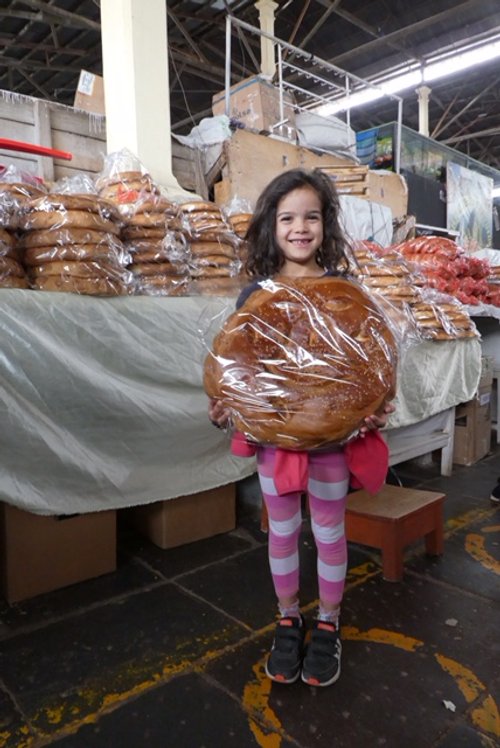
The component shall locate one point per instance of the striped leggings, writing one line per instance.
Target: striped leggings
(328, 481)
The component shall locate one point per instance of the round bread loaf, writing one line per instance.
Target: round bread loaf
(21, 190)
(214, 260)
(148, 220)
(12, 281)
(90, 203)
(211, 271)
(161, 285)
(83, 219)
(303, 362)
(8, 266)
(63, 236)
(75, 252)
(198, 206)
(156, 268)
(77, 270)
(87, 286)
(122, 177)
(131, 233)
(202, 249)
(156, 205)
(6, 241)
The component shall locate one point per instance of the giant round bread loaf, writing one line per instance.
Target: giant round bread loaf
(303, 362)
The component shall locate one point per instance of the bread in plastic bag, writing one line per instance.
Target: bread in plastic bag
(303, 362)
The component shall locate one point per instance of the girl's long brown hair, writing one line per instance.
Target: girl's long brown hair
(265, 258)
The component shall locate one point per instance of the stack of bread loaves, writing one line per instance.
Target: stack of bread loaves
(157, 247)
(71, 243)
(239, 223)
(213, 261)
(443, 320)
(12, 273)
(13, 195)
(433, 316)
(387, 275)
(147, 217)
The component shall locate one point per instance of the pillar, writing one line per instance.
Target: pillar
(266, 10)
(423, 109)
(136, 84)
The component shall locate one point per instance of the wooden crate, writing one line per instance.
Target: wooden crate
(53, 126)
(349, 180)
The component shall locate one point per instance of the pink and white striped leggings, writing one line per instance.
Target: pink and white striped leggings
(328, 482)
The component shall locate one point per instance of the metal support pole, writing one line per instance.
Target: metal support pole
(227, 84)
(397, 144)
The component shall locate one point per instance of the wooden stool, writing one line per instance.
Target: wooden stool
(393, 519)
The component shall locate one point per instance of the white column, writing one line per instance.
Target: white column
(266, 10)
(136, 85)
(423, 109)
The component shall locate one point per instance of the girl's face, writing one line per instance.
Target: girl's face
(299, 231)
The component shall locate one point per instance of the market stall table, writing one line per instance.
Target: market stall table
(103, 406)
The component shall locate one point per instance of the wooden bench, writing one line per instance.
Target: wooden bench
(393, 519)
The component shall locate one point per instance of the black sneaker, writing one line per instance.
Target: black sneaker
(285, 658)
(495, 494)
(321, 666)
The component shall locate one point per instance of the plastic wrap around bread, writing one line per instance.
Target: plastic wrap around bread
(303, 362)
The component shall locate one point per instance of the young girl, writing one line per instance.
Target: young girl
(295, 233)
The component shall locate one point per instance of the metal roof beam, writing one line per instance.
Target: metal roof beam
(52, 14)
(393, 36)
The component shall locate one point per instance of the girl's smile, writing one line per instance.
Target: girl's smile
(299, 231)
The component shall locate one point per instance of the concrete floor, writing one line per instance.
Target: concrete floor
(169, 649)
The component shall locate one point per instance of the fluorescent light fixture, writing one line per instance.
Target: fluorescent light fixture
(461, 61)
(413, 76)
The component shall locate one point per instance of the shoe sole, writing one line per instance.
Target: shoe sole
(281, 678)
(312, 681)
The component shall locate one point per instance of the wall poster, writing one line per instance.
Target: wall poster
(469, 202)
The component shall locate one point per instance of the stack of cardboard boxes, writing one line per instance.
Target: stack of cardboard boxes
(473, 421)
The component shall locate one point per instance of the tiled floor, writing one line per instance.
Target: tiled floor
(169, 649)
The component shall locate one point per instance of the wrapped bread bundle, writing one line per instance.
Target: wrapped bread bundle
(239, 223)
(148, 219)
(12, 274)
(124, 187)
(156, 267)
(158, 254)
(71, 243)
(16, 188)
(213, 256)
(303, 362)
(386, 273)
(443, 318)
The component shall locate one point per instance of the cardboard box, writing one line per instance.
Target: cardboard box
(487, 366)
(39, 553)
(89, 94)
(390, 189)
(174, 522)
(252, 160)
(473, 428)
(256, 103)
